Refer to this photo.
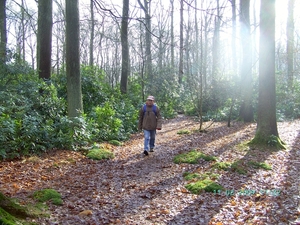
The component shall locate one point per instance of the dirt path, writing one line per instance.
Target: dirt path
(138, 189)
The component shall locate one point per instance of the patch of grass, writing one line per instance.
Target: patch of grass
(222, 165)
(192, 157)
(258, 165)
(203, 185)
(48, 195)
(180, 132)
(115, 142)
(100, 154)
(237, 167)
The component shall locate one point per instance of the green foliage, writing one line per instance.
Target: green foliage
(100, 154)
(192, 157)
(48, 195)
(107, 123)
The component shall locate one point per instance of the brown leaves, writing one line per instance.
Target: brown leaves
(133, 189)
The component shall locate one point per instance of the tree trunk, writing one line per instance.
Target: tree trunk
(44, 39)
(216, 47)
(246, 111)
(125, 48)
(91, 61)
(180, 72)
(266, 116)
(3, 30)
(172, 36)
(290, 44)
(233, 39)
(75, 107)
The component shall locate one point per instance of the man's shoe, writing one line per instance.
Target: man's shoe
(151, 150)
(146, 152)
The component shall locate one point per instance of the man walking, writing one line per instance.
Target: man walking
(150, 120)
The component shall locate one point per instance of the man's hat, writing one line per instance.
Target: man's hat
(150, 97)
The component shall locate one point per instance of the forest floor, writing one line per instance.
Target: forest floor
(137, 189)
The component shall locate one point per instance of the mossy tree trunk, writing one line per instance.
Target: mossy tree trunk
(266, 115)
(13, 208)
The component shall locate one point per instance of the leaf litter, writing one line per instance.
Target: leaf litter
(137, 189)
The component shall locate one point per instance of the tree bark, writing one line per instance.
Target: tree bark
(290, 44)
(91, 50)
(3, 30)
(125, 48)
(44, 39)
(74, 91)
(266, 115)
(180, 72)
(246, 111)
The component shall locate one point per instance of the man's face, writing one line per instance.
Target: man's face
(149, 102)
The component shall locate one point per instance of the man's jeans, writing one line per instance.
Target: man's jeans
(149, 139)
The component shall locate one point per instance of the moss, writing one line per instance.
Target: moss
(237, 167)
(183, 132)
(244, 146)
(271, 141)
(258, 165)
(100, 154)
(12, 213)
(192, 157)
(203, 185)
(115, 142)
(48, 195)
(7, 219)
(191, 176)
(12, 207)
(222, 165)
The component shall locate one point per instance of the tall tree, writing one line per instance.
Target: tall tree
(74, 92)
(91, 50)
(125, 48)
(216, 47)
(146, 8)
(3, 32)
(290, 43)
(180, 72)
(266, 113)
(246, 112)
(233, 38)
(172, 36)
(44, 38)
